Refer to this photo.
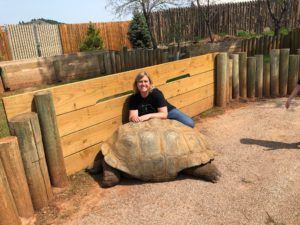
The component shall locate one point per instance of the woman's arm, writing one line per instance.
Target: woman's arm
(161, 114)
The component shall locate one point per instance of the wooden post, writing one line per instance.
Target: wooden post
(26, 127)
(113, 61)
(125, 54)
(235, 76)
(221, 79)
(251, 74)
(283, 71)
(8, 210)
(54, 156)
(229, 81)
(293, 72)
(243, 74)
(259, 76)
(13, 166)
(107, 63)
(118, 62)
(266, 85)
(274, 79)
(164, 56)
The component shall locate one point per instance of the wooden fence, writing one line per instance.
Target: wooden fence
(5, 53)
(227, 18)
(85, 118)
(263, 45)
(114, 35)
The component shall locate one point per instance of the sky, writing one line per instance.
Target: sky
(65, 11)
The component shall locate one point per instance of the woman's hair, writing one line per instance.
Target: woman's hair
(138, 77)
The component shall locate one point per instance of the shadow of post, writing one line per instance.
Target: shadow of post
(270, 145)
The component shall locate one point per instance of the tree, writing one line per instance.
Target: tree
(92, 41)
(138, 32)
(146, 7)
(205, 10)
(277, 19)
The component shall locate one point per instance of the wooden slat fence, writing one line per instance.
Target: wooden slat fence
(263, 45)
(5, 53)
(84, 121)
(225, 18)
(114, 35)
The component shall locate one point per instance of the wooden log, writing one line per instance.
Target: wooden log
(26, 127)
(221, 79)
(113, 61)
(164, 57)
(107, 63)
(293, 72)
(118, 62)
(235, 76)
(54, 156)
(13, 166)
(125, 54)
(251, 74)
(229, 80)
(266, 85)
(274, 72)
(8, 210)
(259, 76)
(243, 74)
(283, 71)
(101, 63)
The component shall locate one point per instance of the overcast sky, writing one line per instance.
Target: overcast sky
(66, 11)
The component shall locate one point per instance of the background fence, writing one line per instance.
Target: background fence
(225, 18)
(264, 44)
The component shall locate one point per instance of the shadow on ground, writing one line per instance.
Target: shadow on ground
(270, 145)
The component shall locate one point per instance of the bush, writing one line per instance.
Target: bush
(138, 33)
(92, 41)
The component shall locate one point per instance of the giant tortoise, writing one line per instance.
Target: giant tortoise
(156, 150)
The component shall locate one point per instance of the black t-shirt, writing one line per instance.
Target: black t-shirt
(147, 105)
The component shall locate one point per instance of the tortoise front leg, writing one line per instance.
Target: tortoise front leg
(208, 172)
(111, 176)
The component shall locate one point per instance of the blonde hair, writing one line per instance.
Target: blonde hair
(140, 76)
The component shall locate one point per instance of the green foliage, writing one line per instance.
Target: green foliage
(284, 31)
(197, 39)
(92, 41)
(138, 33)
(222, 34)
(245, 34)
(3, 123)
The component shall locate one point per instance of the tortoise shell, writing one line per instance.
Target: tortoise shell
(156, 149)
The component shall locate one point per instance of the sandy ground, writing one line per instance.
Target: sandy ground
(258, 148)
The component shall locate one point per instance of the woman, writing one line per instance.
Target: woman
(148, 102)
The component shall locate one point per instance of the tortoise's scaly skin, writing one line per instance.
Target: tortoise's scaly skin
(156, 149)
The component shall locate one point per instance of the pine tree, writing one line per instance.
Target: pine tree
(138, 33)
(92, 41)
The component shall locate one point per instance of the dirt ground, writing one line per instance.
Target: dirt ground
(258, 149)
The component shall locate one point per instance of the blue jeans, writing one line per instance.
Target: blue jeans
(175, 114)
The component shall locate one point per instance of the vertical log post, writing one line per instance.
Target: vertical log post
(266, 85)
(26, 127)
(8, 210)
(113, 61)
(229, 78)
(243, 74)
(235, 76)
(107, 63)
(164, 56)
(221, 79)
(14, 169)
(251, 74)
(283, 71)
(274, 73)
(259, 76)
(54, 157)
(293, 72)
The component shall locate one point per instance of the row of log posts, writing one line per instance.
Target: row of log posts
(30, 161)
(249, 77)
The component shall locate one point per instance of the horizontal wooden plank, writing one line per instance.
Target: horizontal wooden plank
(193, 96)
(199, 106)
(78, 95)
(82, 139)
(81, 160)
(89, 116)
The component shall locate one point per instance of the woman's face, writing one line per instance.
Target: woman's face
(143, 84)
